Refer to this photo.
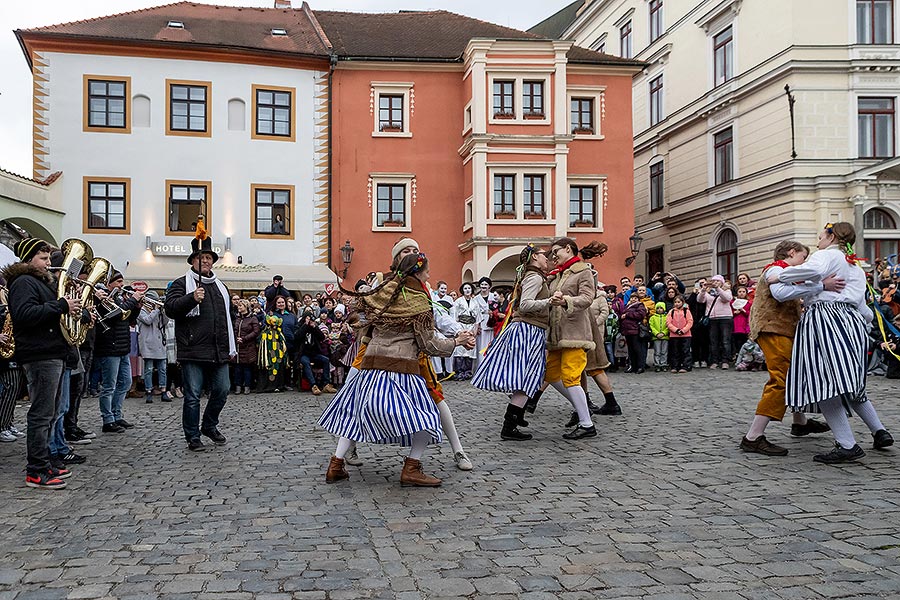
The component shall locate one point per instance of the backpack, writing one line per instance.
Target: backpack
(612, 325)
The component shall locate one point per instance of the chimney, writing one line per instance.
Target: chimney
(282, 3)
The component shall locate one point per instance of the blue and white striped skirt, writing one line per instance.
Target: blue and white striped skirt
(829, 357)
(381, 407)
(515, 362)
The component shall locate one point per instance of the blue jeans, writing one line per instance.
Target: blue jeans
(243, 375)
(322, 361)
(196, 376)
(57, 431)
(44, 379)
(115, 381)
(160, 364)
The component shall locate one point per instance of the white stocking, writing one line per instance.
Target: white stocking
(518, 399)
(342, 446)
(867, 413)
(449, 427)
(575, 395)
(419, 443)
(836, 417)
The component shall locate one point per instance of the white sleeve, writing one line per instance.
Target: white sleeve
(816, 268)
(445, 322)
(788, 291)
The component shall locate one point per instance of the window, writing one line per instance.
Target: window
(601, 48)
(625, 40)
(582, 206)
(188, 105)
(656, 186)
(106, 207)
(533, 186)
(874, 21)
(185, 201)
(878, 219)
(274, 114)
(390, 112)
(656, 100)
(107, 104)
(723, 56)
(272, 210)
(726, 255)
(656, 22)
(723, 149)
(533, 98)
(504, 196)
(503, 100)
(582, 115)
(875, 118)
(391, 210)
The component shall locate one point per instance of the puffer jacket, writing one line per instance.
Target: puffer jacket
(599, 310)
(632, 316)
(117, 340)
(570, 325)
(203, 338)
(151, 328)
(247, 328)
(680, 318)
(658, 323)
(35, 313)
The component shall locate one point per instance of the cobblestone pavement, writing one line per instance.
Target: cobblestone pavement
(661, 505)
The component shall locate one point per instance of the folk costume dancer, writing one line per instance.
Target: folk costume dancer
(388, 401)
(467, 312)
(516, 362)
(448, 326)
(773, 323)
(573, 290)
(201, 308)
(828, 363)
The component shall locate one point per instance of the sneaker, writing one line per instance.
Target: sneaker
(581, 432)
(88, 435)
(247, 390)
(724, 366)
(72, 437)
(215, 435)
(352, 457)
(811, 426)
(44, 481)
(60, 472)
(165, 397)
(883, 439)
(195, 445)
(113, 428)
(124, 423)
(839, 454)
(762, 446)
(673, 371)
(713, 366)
(19, 434)
(682, 370)
(462, 461)
(329, 389)
(72, 459)
(316, 391)
(178, 393)
(8, 436)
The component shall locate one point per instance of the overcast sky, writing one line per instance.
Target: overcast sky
(15, 85)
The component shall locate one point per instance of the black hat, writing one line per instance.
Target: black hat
(278, 278)
(116, 276)
(26, 249)
(202, 243)
(483, 279)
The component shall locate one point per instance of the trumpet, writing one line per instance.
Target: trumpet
(148, 304)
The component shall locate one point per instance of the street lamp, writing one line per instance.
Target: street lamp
(346, 256)
(635, 241)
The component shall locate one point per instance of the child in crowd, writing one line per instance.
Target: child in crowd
(660, 332)
(740, 306)
(750, 357)
(679, 322)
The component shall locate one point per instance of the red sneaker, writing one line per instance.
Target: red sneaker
(45, 481)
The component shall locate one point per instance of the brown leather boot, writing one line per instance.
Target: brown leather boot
(336, 470)
(412, 475)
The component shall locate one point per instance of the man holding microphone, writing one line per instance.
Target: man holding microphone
(200, 305)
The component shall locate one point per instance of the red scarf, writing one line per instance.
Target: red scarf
(565, 265)
(777, 263)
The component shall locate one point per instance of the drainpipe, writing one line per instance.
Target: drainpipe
(332, 63)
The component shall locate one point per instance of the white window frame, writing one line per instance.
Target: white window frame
(391, 88)
(586, 91)
(518, 77)
(519, 170)
(404, 179)
(735, 154)
(853, 26)
(599, 181)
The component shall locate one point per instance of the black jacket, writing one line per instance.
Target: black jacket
(35, 312)
(117, 340)
(308, 339)
(203, 338)
(271, 293)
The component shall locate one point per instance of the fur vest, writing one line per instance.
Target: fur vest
(771, 316)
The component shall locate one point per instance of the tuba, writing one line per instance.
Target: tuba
(76, 254)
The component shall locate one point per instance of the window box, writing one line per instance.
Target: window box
(535, 215)
(504, 115)
(583, 130)
(582, 223)
(392, 224)
(391, 129)
(506, 214)
(534, 116)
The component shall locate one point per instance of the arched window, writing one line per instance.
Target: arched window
(878, 219)
(140, 111)
(726, 254)
(882, 245)
(236, 115)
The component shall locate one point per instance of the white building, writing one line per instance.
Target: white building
(723, 169)
(157, 116)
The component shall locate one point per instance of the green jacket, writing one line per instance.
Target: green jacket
(657, 326)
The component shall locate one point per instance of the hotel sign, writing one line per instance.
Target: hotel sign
(179, 248)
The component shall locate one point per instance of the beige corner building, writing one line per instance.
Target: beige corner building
(723, 170)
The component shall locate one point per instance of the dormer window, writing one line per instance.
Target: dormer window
(279, 32)
(175, 25)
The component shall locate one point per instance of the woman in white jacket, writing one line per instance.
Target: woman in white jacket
(466, 311)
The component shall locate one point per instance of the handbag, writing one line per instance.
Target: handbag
(705, 320)
(644, 332)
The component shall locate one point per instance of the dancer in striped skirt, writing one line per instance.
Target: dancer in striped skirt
(388, 401)
(515, 363)
(828, 363)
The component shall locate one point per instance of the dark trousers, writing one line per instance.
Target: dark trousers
(637, 352)
(320, 360)
(720, 330)
(198, 376)
(44, 379)
(77, 391)
(700, 342)
(11, 380)
(243, 375)
(680, 352)
(737, 342)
